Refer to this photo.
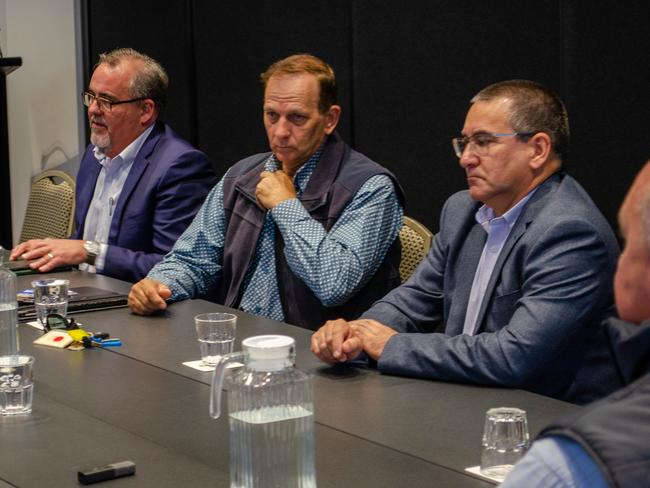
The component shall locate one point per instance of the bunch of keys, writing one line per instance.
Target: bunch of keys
(85, 340)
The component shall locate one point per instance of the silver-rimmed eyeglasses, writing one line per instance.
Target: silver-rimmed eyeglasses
(105, 104)
(480, 142)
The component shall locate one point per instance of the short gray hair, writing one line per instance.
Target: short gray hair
(150, 81)
(534, 108)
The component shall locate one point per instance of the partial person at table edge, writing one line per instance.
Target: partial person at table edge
(300, 234)
(518, 277)
(139, 184)
(607, 443)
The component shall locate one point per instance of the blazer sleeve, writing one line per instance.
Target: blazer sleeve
(418, 304)
(566, 274)
(179, 195)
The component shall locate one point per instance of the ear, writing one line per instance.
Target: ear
(541, 147)
(332, 119)
(148, 111)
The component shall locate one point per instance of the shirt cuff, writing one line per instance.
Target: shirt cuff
(101, 257)
(289, 211)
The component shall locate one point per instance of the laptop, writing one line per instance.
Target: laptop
(21, 267)
(83, 299)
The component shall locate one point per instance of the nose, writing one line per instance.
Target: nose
(94, 107)
(467, 157)
(283, 128)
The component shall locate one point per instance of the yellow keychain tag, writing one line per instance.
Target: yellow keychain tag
(78, 334)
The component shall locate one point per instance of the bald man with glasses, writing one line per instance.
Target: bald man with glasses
(518, 279)
(139, 184)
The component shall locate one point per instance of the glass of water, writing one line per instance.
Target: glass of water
(216, 333)
(50, 297)
(16, 384)
(505, 441)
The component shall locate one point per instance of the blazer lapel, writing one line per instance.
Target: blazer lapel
(467, 261)
(140, 163)
(86, 190)
(533, 207)
(516, 233)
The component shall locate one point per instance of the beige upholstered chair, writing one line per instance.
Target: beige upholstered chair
(50, 208)
(416, 242)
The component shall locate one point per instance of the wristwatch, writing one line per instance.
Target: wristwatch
(92, 250)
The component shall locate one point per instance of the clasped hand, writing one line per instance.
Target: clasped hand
(339, 340)
(274, 188)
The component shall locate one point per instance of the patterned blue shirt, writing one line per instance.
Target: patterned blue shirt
(334, 264)
(556, 462)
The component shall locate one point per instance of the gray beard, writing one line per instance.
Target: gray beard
(102, 142)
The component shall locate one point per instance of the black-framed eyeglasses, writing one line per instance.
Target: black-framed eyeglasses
(105, 104)
(481, 141)
(59, 322)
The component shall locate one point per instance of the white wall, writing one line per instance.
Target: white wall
(3, 26)
(43, 95)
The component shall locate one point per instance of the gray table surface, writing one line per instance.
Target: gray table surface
(371, 429)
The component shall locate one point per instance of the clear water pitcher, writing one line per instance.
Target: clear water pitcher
(8, 312)
(271, 411)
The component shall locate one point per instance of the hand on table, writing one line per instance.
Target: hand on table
(334, 342)
(148, 296)
(372, 334)
(50, 253)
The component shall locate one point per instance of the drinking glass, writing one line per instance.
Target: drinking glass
(216, 333)
(16, 384)
(50, 297)
(505, 441)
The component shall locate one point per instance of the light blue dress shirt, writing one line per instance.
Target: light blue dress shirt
(333, 264)
(108, 188)
(498, 230)
(555, 462)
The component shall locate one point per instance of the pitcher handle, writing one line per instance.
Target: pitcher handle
(217, 381)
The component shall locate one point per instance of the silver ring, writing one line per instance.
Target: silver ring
(50, 255)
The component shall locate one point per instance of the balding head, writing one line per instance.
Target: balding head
(632, 280)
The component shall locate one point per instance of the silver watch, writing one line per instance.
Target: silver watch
(92, 250)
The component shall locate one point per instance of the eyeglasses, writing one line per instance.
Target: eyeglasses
(105, 105)
(481, 141)
(59, 322)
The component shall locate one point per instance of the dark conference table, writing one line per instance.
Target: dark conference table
(138, 402)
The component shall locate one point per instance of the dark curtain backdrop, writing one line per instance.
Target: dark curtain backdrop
(406, 72)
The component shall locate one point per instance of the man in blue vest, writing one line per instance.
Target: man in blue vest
(303, 233)
(608, 443)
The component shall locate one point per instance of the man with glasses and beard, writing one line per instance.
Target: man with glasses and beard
(519, 276)
(139, 184)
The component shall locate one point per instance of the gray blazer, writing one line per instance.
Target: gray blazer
(540, 323)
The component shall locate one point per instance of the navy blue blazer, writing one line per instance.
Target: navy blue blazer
(165, 188)
(540, 324)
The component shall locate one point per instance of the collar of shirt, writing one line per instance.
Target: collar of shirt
(303, 174)
(485, 215)
(128, 154)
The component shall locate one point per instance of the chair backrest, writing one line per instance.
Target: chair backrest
(50, 208)
(416, 241)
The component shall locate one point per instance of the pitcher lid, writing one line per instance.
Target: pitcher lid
(269, 347)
